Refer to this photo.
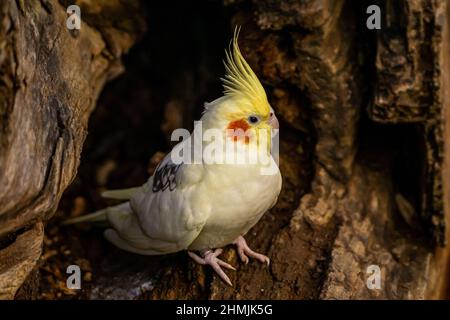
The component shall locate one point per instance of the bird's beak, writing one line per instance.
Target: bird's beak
(273, 121)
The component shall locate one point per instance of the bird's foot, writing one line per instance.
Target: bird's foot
(244, 251)
(209, 257)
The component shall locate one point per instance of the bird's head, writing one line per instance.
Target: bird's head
(244, 110)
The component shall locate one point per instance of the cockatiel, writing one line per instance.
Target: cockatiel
(202, 207)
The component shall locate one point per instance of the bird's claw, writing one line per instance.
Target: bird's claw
(209, 257)
(244, 251)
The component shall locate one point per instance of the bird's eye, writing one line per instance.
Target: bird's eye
(253, 119)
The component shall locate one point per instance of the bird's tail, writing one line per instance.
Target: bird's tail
(100, 217)
(121, 194)
(97, 217)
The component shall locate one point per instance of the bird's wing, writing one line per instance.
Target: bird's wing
(166, 209)
(168, 175)
(171, 176)
(120, 194)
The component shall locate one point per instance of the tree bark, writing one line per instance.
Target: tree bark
(50, 80)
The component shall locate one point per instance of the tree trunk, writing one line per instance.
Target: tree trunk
(50, 80)
(364, 143)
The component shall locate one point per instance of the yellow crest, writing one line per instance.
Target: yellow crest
(240, 82)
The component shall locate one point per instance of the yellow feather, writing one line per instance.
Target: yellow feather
(241, 83)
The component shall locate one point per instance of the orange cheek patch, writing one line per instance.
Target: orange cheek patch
(238, 130)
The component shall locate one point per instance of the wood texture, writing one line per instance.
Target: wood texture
(50, 79)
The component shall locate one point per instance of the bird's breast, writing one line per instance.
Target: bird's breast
(238, 196)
